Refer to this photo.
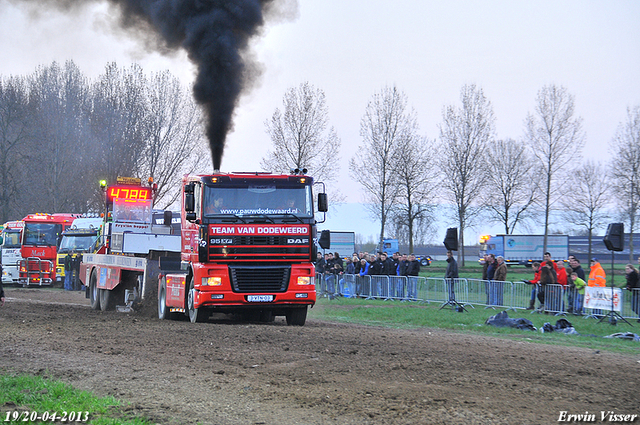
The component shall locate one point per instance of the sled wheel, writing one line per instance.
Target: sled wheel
(94, 294)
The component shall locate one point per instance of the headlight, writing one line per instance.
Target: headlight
(212, 281)
(306, 280)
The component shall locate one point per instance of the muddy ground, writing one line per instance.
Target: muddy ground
(230, 372)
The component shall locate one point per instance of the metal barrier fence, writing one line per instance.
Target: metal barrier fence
(493, 294)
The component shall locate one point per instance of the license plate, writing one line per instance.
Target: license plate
(259, 298)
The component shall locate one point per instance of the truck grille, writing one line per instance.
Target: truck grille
(265, 248)
(259, 278)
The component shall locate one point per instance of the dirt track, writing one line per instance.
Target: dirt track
(227, 372)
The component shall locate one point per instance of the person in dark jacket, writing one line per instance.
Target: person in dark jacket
(376, 266)
(576, 268)
(402, 265)
(401, 290)
(451, 275)
(320, 262)
(338, 260)
(633, 285)
(497, 284)
(388, 267)
(546, 278)
(487, 275)
(412, 271)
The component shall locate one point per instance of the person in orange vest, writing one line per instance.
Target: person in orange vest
(597, 277)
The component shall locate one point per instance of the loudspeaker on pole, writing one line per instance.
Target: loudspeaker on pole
(451, 239)
(325, 239)
(614, 238)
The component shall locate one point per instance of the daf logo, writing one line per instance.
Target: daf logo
(297, 240)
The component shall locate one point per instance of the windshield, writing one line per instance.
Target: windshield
(77, 243)
(42, 233)
(11, 239)
(132, 210)
(258, 200)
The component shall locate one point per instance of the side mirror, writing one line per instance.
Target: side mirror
(189, 198)
(167, 218)
(323, 203)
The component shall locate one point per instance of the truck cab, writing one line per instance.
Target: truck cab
(11, 251)
(247, 247)
(41, 238)
(84, 236)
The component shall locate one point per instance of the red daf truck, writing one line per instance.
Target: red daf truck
(247, 247)
(41, 237)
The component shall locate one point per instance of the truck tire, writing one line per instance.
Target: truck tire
(296, 316)
(94, 294)
(267, 316)
(196, 315)
(163, 310)
(107, 300)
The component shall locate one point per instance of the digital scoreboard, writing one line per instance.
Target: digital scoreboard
(136, 193)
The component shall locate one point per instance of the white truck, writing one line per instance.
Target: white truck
(11, 253)
(524, 249)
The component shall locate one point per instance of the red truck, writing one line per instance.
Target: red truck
(124, 269)
(247, 247)
(41, 237)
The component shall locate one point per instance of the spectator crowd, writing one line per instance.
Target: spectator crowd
(556, 286)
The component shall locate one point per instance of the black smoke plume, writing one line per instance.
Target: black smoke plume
(215, 34)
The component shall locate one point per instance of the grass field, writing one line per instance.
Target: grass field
(19, 394)
(25, 399)
(396, 314)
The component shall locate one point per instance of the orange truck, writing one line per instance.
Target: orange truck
(247, 248)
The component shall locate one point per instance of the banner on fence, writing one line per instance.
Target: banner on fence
(600, 298)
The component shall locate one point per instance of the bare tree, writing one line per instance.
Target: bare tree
(117, 121)
(302, 137)
(465, 133)
(58, 106)
(385, 128)
(173, 133)
(14, 134)
(625, 170)
(416, 174)
(585, 206)
(556, 138)
(75, 133)
(511, 183)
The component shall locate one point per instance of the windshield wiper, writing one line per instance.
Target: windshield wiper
(266, 217)
(294, 216)
(236, 217)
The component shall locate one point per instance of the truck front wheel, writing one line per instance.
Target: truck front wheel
(196, 315)
(94, 294)
(296, 316)
(163, 310)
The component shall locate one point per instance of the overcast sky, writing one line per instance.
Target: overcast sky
(353, 48)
